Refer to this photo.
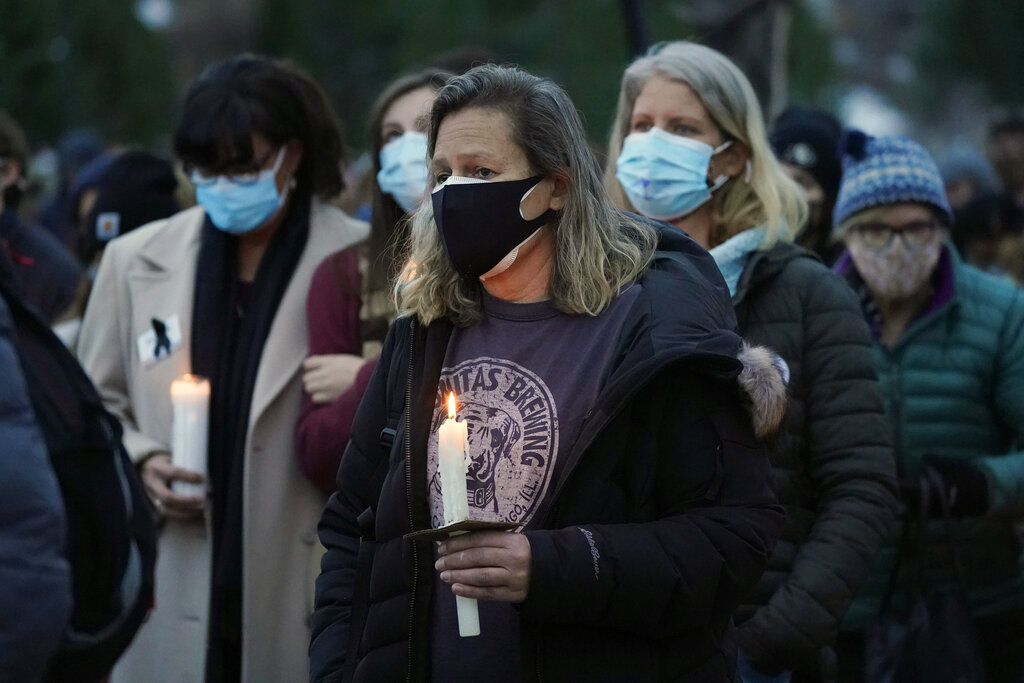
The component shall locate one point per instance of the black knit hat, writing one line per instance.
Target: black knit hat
(135, 189)
(809, 138)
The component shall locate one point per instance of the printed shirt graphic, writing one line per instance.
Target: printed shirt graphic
(524, 378)
(513, 438)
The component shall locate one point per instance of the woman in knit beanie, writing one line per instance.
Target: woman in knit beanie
(949, 349)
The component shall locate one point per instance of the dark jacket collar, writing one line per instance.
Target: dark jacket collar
(683, 312)
(764, 265)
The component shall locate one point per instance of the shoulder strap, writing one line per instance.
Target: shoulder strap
(395, 400)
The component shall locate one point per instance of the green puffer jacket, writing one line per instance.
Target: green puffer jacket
(954, 386)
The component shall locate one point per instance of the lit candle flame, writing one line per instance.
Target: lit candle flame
(451, 405)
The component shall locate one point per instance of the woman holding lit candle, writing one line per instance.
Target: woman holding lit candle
(593, 361)
(219, 290)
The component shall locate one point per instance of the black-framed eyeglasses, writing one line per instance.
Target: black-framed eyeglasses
(878, 235)
(245, 176)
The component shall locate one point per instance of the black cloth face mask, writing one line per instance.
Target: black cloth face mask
(480, 222)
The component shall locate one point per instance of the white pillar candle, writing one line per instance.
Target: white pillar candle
(190, 398)
(453, 464)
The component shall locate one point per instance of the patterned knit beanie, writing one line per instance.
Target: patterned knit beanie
(886, 170)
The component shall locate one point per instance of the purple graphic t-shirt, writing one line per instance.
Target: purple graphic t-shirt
(523, 377)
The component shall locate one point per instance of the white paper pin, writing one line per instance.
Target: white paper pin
(152, 346)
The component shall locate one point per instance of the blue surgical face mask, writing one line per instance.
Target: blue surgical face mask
(403, 169)
(665, 176)
(237, 207)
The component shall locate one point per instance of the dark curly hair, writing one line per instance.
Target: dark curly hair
(246, 94)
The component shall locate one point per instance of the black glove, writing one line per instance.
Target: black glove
(965, 487)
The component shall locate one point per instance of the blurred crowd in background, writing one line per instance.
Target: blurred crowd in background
(114, 118)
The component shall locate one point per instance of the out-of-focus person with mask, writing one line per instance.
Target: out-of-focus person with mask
(594, 366)
(350, 304)
(806, 141)
(949, 349)
(218, 290)
(46, 273)
(689, 146)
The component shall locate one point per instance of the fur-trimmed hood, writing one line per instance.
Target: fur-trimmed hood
(685, 315)
(764, 378)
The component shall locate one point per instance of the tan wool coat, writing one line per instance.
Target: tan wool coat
(150, 273)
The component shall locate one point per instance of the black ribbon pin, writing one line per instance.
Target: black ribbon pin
(162, 340)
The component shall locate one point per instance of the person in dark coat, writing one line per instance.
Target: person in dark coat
(35, 578)
(806, 142)
(76, 150)
(114, 195)
(594, 363)
(47, 274)
(689, 145)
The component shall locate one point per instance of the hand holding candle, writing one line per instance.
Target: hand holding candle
(487, 565)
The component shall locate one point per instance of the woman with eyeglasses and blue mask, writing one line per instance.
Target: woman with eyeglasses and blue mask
(689, 147)
(350, 303)
(949, 348)
(218, 290)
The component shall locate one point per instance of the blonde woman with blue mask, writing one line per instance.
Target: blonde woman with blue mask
(688, 146)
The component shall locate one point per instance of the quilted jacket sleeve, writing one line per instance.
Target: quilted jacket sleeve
(684, 571)
(849, 464)
(35, 581)
(339, 527)
(1006, 472)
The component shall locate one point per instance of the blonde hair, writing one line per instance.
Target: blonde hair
(598, 249)
(770, 199)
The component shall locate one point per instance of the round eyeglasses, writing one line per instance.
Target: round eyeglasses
(249, 176)
(878, 235)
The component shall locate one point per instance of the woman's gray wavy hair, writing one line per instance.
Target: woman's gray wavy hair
(598, 249)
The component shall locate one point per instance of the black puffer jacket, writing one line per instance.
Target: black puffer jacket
(660, 523)
(833, 465)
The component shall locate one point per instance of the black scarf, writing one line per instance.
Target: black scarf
(230, 323)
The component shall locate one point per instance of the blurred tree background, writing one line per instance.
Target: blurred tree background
(120, 67)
